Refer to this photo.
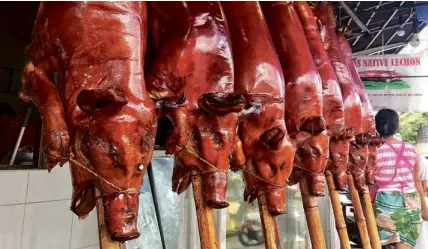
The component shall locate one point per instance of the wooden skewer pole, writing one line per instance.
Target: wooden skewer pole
(310, 205)
(358, 213)
(371, 220)
(270, 227)
(338, 213)
(205, 214)
(105, 240)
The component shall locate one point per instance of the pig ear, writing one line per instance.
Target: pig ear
(222, 103)
(104, 100)
(272, 138)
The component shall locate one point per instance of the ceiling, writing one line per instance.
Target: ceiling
(382, 19)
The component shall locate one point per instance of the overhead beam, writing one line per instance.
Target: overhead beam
(350, 18)
(383, 26)
(354, 17)
(361, 11)
(379, 49)
(350, 33)
(368, 22)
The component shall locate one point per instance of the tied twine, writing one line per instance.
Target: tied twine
(118, 190)
(277, 186)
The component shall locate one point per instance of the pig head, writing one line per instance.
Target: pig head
(268, 150)
(191, 80)
(113, 134)
(101, 109)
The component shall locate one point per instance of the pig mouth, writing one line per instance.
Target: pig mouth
(120, 207)
(121, 215)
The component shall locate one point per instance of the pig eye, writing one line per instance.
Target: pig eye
(218, 138)
(140, 167)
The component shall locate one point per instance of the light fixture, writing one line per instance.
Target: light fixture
(400, 31)
(414, 42)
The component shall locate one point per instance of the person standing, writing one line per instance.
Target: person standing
(400, 201)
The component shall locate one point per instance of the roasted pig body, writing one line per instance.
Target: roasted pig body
(358, 150)
(303, 94)
(368, 122)
(101, 108)
(333, 111)
(268, 150)
(191, 80)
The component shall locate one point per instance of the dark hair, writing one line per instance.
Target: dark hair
(387, 122)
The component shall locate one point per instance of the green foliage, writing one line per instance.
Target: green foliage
(410, 123)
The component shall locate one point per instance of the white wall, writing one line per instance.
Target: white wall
(35, 212)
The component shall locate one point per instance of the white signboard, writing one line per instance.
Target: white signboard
(398, 82)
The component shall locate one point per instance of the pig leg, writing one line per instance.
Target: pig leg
(37, 87)
(83, 199)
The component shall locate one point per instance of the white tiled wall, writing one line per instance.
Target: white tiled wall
(35, 212)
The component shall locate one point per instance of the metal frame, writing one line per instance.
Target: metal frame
(354, 16)
(373, 7)
(350, 18)
(368, 22)
(384, 26)
(395, 33)
(378, 28)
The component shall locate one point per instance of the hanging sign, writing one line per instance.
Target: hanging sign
(398, 82)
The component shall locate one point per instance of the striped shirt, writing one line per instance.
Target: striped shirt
(394, 167)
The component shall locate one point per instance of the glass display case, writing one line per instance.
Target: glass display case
(168, 221)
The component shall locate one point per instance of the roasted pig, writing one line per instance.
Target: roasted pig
(191, 80)
(101, 108)
(358, 150)
(303, 94)
(268, 150)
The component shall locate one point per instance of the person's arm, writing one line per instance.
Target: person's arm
(424, 185)
(421, 191)
(423, 172)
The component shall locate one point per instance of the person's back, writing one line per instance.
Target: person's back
(395, 167)
(399, 195)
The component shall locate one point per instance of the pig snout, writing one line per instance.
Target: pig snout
(275, 200)
(215, 189)
(121, 214)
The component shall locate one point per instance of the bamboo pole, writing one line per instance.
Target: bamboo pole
(205, 214)
(270, 227)
(338, 213)
(371, 220)
(358, 213)
(105, 240)
(310, 205)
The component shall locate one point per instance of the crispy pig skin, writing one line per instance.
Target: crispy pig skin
(101, 109)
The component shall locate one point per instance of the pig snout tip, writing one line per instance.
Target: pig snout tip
(275, 200)
(215, 189)
(121, 215)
